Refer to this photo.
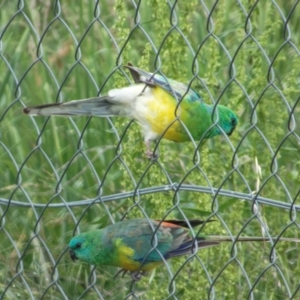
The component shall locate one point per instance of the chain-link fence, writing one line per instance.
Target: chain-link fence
(62, 176)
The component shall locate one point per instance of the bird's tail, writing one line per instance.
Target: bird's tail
(219, 239)
(214, 240)
(98, 106)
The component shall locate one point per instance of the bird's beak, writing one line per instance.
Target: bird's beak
(231, 131)
(72, 255)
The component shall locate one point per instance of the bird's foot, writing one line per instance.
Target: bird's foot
(149, 153)
(119, 272)
(137, 276)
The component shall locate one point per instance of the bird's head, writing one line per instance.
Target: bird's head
(81, 247)
(227, 121)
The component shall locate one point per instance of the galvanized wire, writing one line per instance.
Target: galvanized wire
(37, 210)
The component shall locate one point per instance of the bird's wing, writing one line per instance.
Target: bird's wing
(138, 236)
(169, 85)
(172, 239)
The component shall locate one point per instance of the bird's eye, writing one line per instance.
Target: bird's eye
(78, 245)
(233, 121)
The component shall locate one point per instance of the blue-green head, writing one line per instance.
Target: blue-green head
(227, 120)
(83, 246)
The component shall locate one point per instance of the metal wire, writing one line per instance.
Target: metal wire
(36, 225)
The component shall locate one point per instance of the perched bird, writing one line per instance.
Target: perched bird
(130, 244)
(152, 102)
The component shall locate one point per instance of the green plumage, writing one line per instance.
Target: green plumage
(128, 244)
(153, 102)
(132, 246)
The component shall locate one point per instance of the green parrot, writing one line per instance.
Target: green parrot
(130, 244)
(152, 101)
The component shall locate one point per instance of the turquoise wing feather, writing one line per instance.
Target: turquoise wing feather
(138, 235)
(170, 85)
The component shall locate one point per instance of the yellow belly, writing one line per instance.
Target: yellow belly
(131, 265)
(125, 261)
(160, 114)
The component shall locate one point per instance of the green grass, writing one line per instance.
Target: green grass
(61, 159)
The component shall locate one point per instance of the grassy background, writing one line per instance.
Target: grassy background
(59, 52)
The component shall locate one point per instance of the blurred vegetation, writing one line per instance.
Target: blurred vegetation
(239, 53)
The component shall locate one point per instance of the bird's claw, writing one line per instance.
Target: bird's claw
(149, 153)
(135, 276)
(119, 272)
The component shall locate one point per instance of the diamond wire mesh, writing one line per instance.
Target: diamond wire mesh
(61, 176)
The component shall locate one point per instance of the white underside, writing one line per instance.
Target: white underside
(135, 100)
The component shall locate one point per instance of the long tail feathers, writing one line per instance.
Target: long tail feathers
(98, 106)
(209, 241)
(216, 238)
